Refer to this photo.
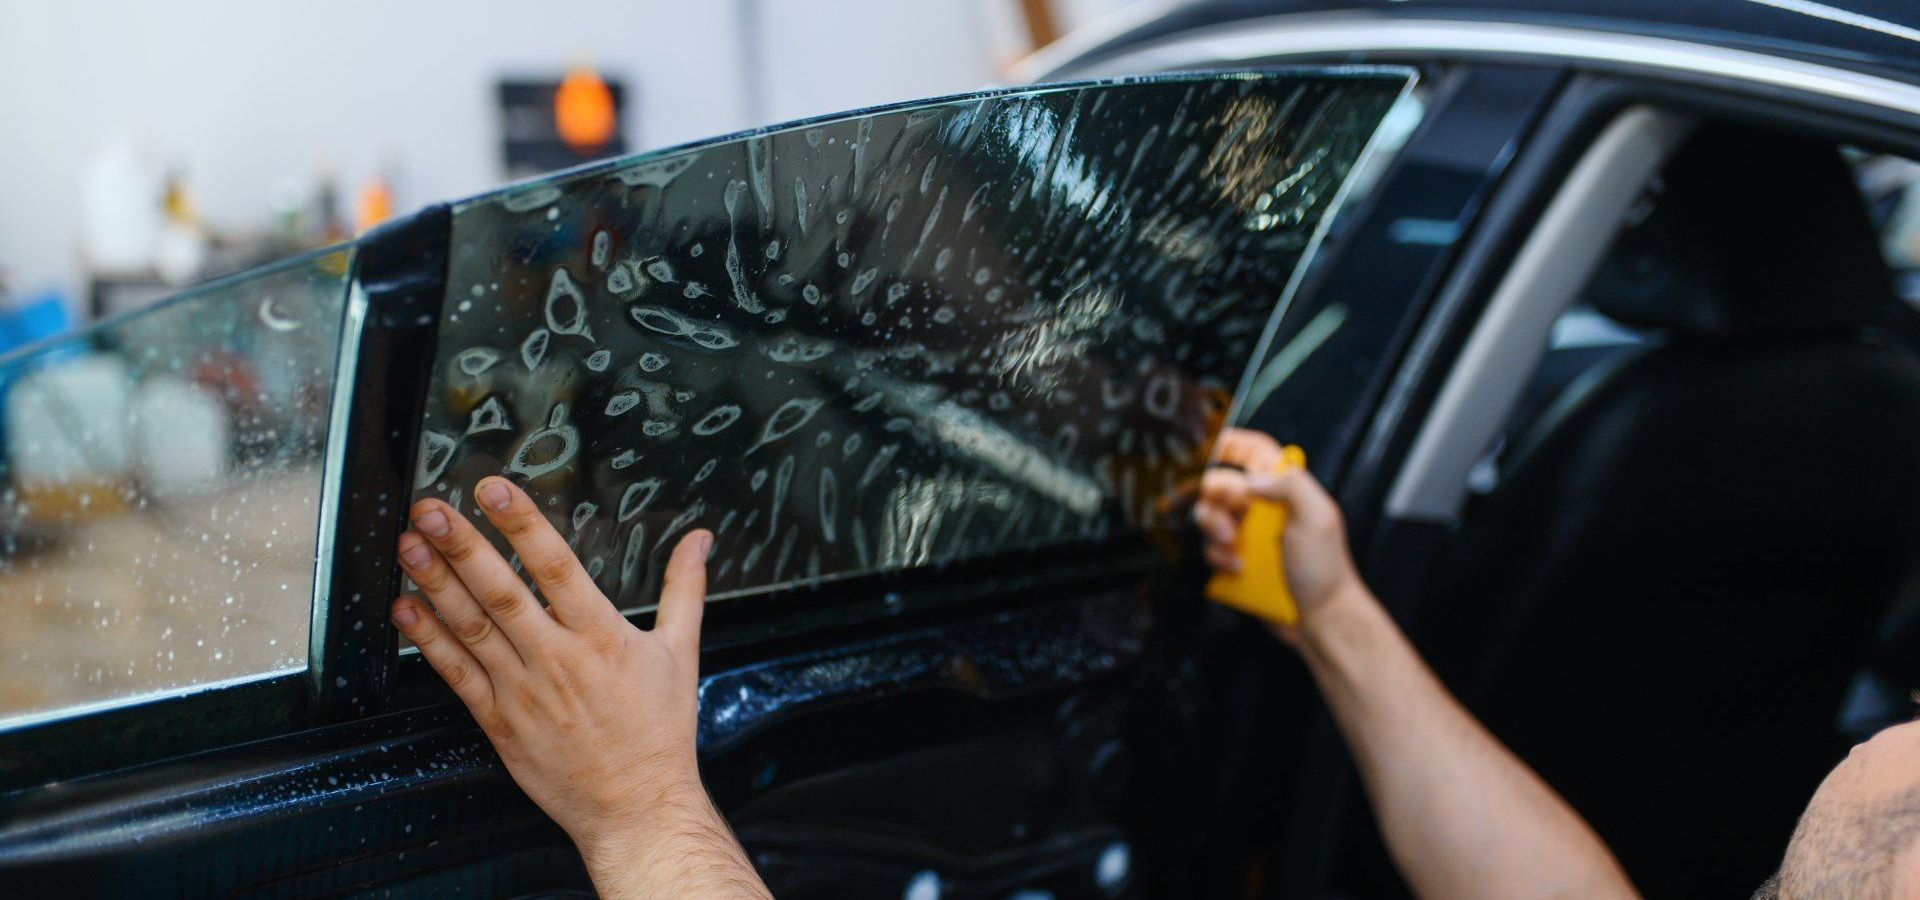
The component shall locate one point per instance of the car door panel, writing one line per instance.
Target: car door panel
(950, 635)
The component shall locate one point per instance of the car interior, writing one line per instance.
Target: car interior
(1686, 555)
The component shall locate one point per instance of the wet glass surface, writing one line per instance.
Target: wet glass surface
(890, 340)
(159, 489)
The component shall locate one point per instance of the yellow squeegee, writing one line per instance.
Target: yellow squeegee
(1260, 587)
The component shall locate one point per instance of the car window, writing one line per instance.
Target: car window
(896, 339)
(159, 491)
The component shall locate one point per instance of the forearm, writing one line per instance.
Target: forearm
(682, 849)
(1461, 815)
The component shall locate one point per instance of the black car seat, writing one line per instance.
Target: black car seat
(1690, 550)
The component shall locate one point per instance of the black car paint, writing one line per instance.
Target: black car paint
(403, 270)
(416, 801)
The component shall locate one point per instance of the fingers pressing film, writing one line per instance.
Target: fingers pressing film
(683, 598)
(447, 656)
(489, 624)
(486, 576)
(556, 571)
(464, 617)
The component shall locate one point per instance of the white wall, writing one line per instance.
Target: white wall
(246, 95)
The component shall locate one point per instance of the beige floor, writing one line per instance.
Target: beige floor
(159, 596)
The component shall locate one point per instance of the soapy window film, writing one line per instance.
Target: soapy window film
(890, 340)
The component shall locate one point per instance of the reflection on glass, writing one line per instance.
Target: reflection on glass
(889, 340)
(158, 492)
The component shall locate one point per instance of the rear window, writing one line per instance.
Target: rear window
(906, 338)
(159, 494)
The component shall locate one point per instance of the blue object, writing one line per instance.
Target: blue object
(41, 317)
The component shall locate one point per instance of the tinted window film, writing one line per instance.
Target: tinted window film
(159, 491)
(887, 340)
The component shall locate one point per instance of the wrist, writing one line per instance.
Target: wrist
(680, 846)
(1332, 629)
(663, 809)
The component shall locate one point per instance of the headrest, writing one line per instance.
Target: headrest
(1750, 233)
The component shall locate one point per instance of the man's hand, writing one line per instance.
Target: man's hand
(1320, 571)
(594, 718)
(1462, 816)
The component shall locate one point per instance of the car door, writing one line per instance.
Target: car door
(935, 374)
(1618, 70)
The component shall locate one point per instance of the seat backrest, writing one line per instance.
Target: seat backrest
(1691, 549)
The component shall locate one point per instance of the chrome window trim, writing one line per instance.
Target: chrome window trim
(333, 474)
(1270, 37)
(81, 710)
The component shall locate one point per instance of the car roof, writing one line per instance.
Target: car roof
(1878, 36)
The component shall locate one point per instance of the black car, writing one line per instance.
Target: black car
(1596, 315)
